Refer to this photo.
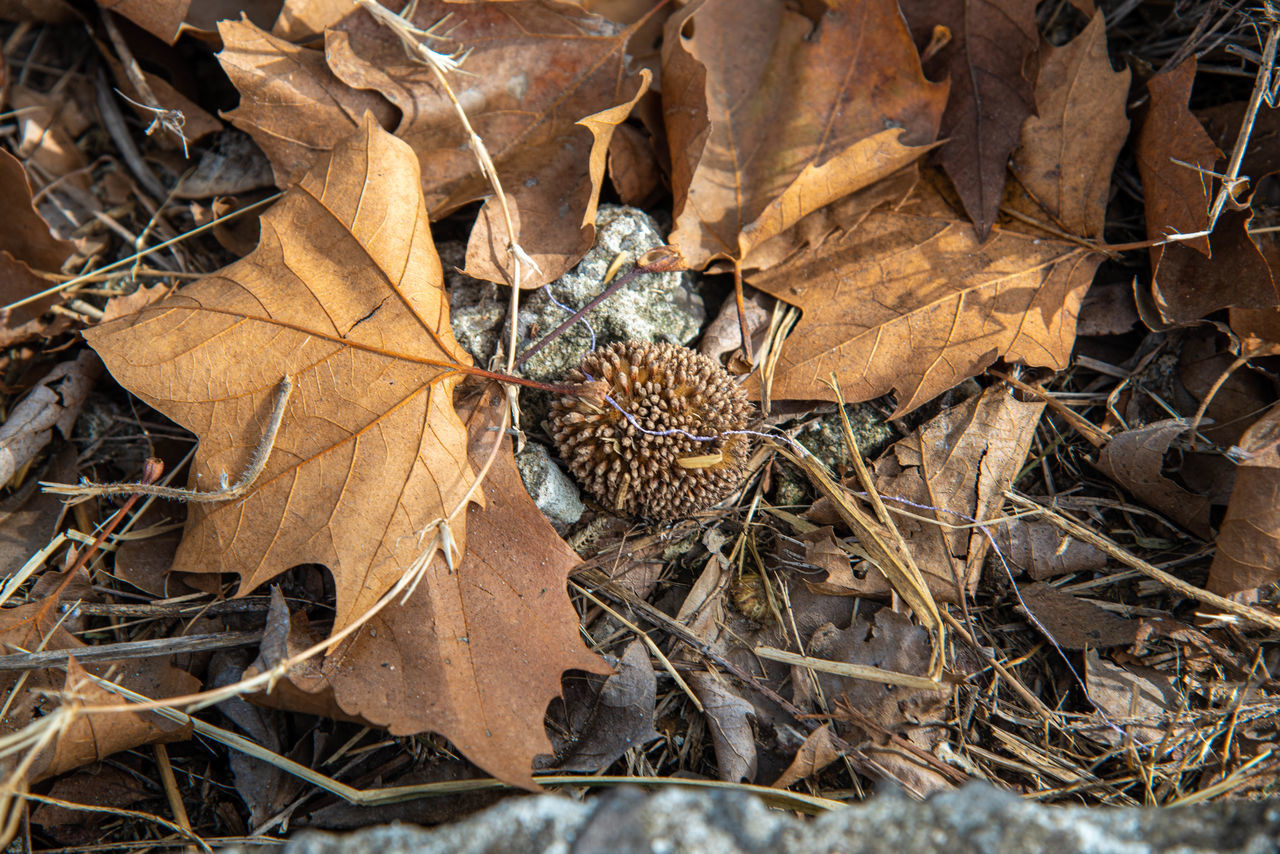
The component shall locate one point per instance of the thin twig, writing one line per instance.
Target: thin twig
(1080, 532)
(257, 463)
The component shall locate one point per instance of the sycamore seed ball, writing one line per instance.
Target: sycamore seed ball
(664, 387)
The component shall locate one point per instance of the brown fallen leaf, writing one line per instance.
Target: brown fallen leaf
(543, 85)
(1176, 193)
(991, 46)
(343, 294)
(1262, 157)
(1192, 278)
(729, 718)
(1074, 623)
(169, 20)
(29, 518)
(912, 301)
(48, 126)
(54, 402)
(1136, 704)
(96, 785)
(816, 753)
(957, 465)
(555, 236)
(303, 20)
(771, 115)
(478, 655)
(1044, 551)
(1248, 555)
(26, 245)
(888, 641)
(17, 282)
(1069, 147)
(1134, 459)
(633, 167)
(25, 236)
(475, 654)
(40, 625)
(142, 297)
(290, 102)
(603, 718)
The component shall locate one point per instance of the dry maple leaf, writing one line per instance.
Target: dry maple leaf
(771, 115)
(991, 43)
(544, 85)
(343, 294)
(1069, 149)
(913, 301)
(475, 655)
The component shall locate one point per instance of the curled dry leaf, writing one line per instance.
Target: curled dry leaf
(343, 294)
(40, 625)
(772, 115)
(987, 56)
(1248, 553)
(729, 718)
(544, 86)
(1044, 551)
(816, 753)
(1135, 460)
(912, 301)
(55, 401)
(1070, 146)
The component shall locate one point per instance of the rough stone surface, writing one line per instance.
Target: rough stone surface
(653, 307)
(824, 437)
(551, 489)
(975, 819)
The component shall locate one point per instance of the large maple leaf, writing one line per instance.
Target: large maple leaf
(343, 294)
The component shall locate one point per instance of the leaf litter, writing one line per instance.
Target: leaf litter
(1060, 577)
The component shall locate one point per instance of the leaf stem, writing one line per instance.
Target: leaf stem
(663, 262)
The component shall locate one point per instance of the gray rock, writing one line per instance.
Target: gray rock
(653, 307)
(977, 818)
(824, 437)
(551, 489)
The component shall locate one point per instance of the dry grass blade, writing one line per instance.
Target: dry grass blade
(896, 564)
(853, 671)
(1246, 612)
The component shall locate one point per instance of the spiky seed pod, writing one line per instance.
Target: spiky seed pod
(663, 387)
